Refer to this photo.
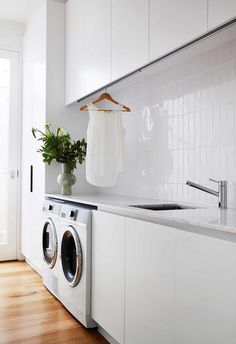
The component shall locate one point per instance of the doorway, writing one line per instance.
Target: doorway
(9, 153)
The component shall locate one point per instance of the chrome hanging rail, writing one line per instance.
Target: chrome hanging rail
(189, 44)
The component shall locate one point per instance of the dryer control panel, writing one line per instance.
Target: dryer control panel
(51, 207)
(69, 213)
(80, 215)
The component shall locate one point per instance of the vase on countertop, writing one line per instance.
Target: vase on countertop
(66, 179)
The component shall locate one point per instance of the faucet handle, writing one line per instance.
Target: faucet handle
(219, 182)
(213, 180)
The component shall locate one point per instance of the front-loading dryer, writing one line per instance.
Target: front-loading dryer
(51, 244)
(75, 268)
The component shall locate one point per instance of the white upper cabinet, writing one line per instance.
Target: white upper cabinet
(130, 20)
(149, 283)
(75, 50)
(107, 39)
(173, 23)
(98, 44)
(220, 11)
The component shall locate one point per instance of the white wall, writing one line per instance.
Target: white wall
(182, 126)
(11, 35)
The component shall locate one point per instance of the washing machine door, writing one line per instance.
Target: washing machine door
(49, 243)
(71, 256)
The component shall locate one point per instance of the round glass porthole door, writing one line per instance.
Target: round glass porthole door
(71, 256)
(49, 243)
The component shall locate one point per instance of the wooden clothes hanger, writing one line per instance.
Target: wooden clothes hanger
(106, 96)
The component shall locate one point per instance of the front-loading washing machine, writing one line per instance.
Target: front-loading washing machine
(75, 269)
(51, 244)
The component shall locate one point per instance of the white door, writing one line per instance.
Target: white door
(9, 149)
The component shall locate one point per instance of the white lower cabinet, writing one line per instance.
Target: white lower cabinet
(205, 289)
(157, 284)
(149, 283)
(108, 254)
(36, 227)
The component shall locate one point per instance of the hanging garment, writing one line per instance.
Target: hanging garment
(105, 136)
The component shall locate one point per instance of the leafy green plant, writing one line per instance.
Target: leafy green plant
(60, 147)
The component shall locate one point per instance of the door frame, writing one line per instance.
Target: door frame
(19, 256)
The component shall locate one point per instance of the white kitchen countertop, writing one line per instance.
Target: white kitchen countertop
(198, 219)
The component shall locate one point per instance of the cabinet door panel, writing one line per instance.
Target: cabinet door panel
(130, 20)
(75, 50)
(150, 283)
(220, 11)
(205, 290)
(27, 160)
(98, 44)
(108, 273)
(33, 115)
(173, 23)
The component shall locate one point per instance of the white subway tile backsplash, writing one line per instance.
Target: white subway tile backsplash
(197, 164)
(191, 130)
(216, 126)
(203, 164)
(209, 127)
(203, 128)
(182, 126)
(185, 131)
(226, 124)
(197, 130)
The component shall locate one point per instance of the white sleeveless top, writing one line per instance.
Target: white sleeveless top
(105, 137)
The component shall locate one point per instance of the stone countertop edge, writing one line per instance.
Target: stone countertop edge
(211, 220)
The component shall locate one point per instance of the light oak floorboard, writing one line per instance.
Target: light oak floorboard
(29, 314)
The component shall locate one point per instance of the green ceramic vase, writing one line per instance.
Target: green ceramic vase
(66, 179)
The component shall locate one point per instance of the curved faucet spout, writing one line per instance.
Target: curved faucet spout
(221, 193)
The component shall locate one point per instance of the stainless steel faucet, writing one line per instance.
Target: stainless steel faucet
(221, 193)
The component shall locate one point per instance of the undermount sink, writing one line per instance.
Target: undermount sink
(162, 206)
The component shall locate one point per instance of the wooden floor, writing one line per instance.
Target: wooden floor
(29, 314)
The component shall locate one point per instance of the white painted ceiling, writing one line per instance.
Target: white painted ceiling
(18, 11)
